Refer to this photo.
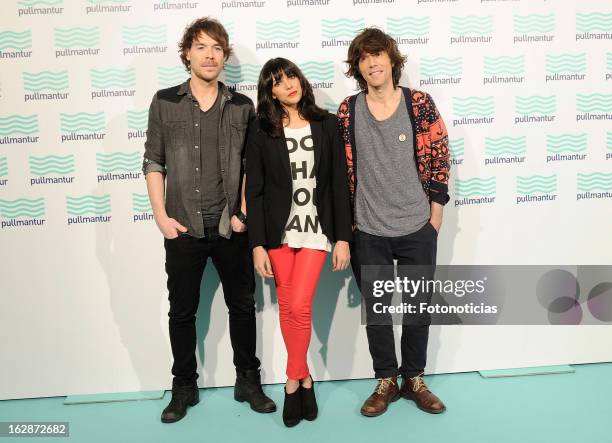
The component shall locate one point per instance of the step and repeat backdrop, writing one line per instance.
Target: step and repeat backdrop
(525, 88)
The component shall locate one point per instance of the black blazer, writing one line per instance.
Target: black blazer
(269, 186)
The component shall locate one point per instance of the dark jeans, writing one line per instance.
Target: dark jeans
(418, 248)
(186, 258)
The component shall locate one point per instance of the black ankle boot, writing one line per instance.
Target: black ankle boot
(182, 396)
(292, 409)
(248, 388)
(309, 403)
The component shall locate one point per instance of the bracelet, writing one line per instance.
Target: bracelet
(242, 217)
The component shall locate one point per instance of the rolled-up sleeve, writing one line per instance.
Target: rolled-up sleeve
(154, 156)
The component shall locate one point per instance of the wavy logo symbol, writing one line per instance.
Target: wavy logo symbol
(138, 120)
(482, 187)
(441, 67)
(504, 65)
(473, 106)
(535, 105)
(609, 140)
(565, 63)
(172, 76)
(103, 2)
(533, 23)
(28, 3)
(113, 78)
(118, 161)
(594, 102)
(609, 61)
(505, 146)
(457, 147)
(82, 122)
(318, 71)
(18, 125)
(88, 205)
(3, 167)
(596, 181)
(408, 26)
(77, 37)
(52, 164)
(595, 21)
(45, 81)
(277, 30)
(472, 25)
(556, 144)
(141, 203)
(536, 184)
(15, 40)
(22, 207)
(342, 27)
(144, 35)
(244, 73)
(331, 107)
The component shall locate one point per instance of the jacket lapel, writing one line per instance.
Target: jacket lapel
(283, 153)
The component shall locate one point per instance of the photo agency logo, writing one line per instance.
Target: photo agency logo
(51, 169)
(144, 39)
(141, 207)
(82, 126)
(409, 30)
(112, 83)
(22, 212)
(14, 44)
(45, 85)
(39, 7)
(107, 6)
(88, 209)
(277, 34)
(19, 129)
(534, 28)
(475, 191)
(505, 150)
(118, 166)
(536, 188)
(339, 32)
(76, 42)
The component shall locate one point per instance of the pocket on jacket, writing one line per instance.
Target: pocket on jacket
(177, 134)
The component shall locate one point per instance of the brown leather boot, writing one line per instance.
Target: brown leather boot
(414, 388)
(386, 392)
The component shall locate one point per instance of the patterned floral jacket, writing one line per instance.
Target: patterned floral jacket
(430, 144)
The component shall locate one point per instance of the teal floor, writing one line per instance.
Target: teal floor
(559, 408)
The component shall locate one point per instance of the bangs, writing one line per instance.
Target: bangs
(280, 66)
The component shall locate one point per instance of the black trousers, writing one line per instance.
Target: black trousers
(418, 248)
(186, 258)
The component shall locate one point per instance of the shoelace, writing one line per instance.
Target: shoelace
(383, 384)
(418, 384)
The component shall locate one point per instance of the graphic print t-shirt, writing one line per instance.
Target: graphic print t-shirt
(303, 229)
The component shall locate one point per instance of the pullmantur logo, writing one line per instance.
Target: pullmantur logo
(503, 69)
(244, 76)
(229, 4)
(457, 151)
(141, 207)
(160, 6)
(45, 170)
(15, 129)
(608, 65)
(475, 191)
(320, 74)
(137, 122)
(113, 82)
(311, 3)
(562, 147)
(535, 109)
(3, 171)
(82, 126)
(71, 42)
(594, 185)
(45, 85)
(594, 26)
(533, 28)
(409, 30)
(144, 39)
(88, 209)
(594, 106)
(471, 29)
(609, 145)
(277, 34)
(473, 110)
(566, 66)
(339, 32)
(14, 44)
(171, 76)
(39, 7)
(441, 71)
(107, 6)
(22, 212)
(536, 188)
(118, 166)
(505, 150)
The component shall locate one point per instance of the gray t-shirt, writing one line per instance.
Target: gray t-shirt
(389, 200)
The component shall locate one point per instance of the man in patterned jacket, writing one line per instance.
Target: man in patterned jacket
(398, 161)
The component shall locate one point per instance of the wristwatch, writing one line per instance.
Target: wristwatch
(241, 217)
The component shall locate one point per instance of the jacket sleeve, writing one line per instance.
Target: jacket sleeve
(254, 191)
(155, 154)
(440, 155)
(340, 188)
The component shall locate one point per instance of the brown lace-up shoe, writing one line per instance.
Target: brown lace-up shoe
(386, 392)
(414, 388)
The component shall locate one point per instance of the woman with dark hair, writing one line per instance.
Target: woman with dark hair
(297, 204)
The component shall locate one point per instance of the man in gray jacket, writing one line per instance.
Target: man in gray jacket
(194, 160)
